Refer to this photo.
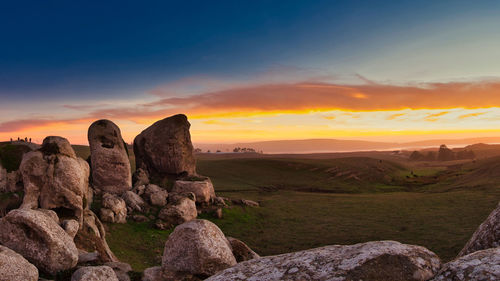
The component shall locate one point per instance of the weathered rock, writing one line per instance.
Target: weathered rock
(153, 274)
(381, 260)
(241, 251)
(107, 215)
(88, 257)
(156, 195)
(13, 267)
(54, 178)
(139, 189)
(134, 201)
(10, 182)
(140, 177)
(117, 206)
(94, 273)
(109, 158)
(203, 189)
(92, 237)
(480, 265)
(71, 227)
(486, 236)
(140, 218)
(121, 270)
(179, 211)
(38, 238)
(197, 247)
(165, 149)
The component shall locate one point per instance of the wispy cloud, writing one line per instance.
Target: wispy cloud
(465, 116)
(435, 116)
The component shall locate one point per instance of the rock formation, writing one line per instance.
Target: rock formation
(179, 210)
(13, 267)
(54, 178)
(381, 260)
(164, 149)
(197, 248)
(202, 189)
(486, 236)
(241, 251)
(480, 265)
(94, 273)
(92, 237)
(133, 201)
(109, 158)
(156, 195)
(37, 237)
(140, 177)
(113, 209)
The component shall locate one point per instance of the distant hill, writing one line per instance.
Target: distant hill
(336, 145)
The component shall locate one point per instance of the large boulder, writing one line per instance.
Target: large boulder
(203, 189)
(199, 248)
(116, 207)
(37, 237)
(486, 236)
(13, 267)
(480, 265)
(165, 149)
(180, 209)
(109, 158)
(241, 251)
(372, 261)
(94, 273)
(91, 237)
(54, 178)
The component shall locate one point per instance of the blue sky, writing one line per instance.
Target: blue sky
(62, 60)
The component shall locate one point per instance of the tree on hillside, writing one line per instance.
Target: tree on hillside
(445, 154)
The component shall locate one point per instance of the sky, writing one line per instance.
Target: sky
(252, 70)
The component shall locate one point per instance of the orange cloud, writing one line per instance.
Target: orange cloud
(394, 116)
(470, 115)
(435, 117)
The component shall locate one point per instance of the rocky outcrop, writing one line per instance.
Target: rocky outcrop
(381, 260)
(202, 189)
(109, 158)
(37, 237)
(91, 237)
(71, 227)
(486, 236)
(156, 195)
(114, 209)
(480, 265)
(121, 270)
(165, 149)
(197, 247)
(241, 251)
(54, 178)
(133, 201)
(94, 273)
(153, 274)
(13, 267)
(140, 177)
(10, 182)
(180, 209)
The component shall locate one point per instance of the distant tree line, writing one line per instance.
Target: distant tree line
(235, 150)
(443, 154)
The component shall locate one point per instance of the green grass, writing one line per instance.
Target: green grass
(139, 244)
(11, 155)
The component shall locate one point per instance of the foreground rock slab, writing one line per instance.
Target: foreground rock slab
(486, 236)
(94, 273)
(37, 237)
(109, 158)
(372, 261)
(199, 248)
(165, 148)
(13, 267)
(481, 265)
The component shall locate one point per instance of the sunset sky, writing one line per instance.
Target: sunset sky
(252, 70)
